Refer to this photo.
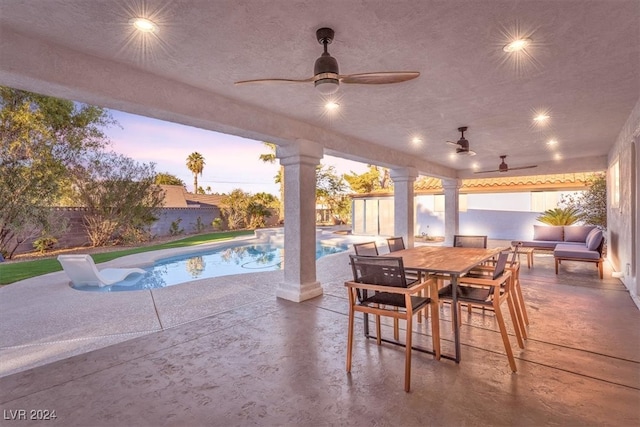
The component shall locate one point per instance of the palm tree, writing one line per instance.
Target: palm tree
(195, 163)
(279, 179)
(560, 216)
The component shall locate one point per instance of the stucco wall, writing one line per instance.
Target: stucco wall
(507, 225)
(374, 216)
(623, 221)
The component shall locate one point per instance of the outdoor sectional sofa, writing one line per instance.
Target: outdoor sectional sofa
(569, 243)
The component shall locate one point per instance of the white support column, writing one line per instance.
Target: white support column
(403, 203)
(451, 209)
(299, 161)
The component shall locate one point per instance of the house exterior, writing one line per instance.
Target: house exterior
(185, 211)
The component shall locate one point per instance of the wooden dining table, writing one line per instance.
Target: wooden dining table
(451, 262)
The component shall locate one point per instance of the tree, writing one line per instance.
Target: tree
(119, 194)
(279, 178)
(259, 209)
(39, 137)
(165, 178)
(375, 179)
(242, 209)
(592, 203)
(330, 191)
(234, 208)
(195, 163)
(560, 216)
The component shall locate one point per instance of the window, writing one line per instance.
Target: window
(614, 177)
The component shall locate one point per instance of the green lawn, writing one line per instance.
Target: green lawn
(15, 271)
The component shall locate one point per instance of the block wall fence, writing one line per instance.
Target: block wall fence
(77, 235)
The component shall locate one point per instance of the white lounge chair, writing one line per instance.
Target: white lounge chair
(82, 271)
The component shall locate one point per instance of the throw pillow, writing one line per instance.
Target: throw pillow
(595, 240)
(590, 235)
(547, 232)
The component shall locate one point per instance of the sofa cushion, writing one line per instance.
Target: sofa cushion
(547, 232)
(577, 233)
(594, 240)
(575, 251)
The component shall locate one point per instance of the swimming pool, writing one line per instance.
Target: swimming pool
(224, 261)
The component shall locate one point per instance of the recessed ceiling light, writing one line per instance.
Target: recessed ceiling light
(416, 140)
(331, 106)
(143, 24)
(475, 166)
(558, 156)
(517, 45)
(552, 142)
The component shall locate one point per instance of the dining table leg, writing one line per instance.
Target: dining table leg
(454, 316)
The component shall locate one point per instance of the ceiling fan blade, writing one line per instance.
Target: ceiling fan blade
(466, 153)
(523, 167)
(455, 144)
(310, 79)
(379, 78)
(495, 170)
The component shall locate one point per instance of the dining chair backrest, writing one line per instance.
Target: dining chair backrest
(514, 254)
(463, 241)
(367, 248)
(395, 244)
(500, 264)
(378, 270)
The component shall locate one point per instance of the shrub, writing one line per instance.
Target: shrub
(174, 228)
(44, 243)
(199, 225)
(592, 203)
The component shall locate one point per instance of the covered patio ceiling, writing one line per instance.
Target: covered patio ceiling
(581, 69)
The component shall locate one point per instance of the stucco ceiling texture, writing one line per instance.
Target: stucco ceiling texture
(582, 68)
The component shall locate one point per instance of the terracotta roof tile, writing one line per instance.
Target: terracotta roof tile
(569, 181)
(204, 199)
(177, 197)
(174, 196)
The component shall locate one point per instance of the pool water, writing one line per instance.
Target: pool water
(212, 263)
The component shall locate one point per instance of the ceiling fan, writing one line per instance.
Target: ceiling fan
(505, 168)
(327, 77)
(462, 144)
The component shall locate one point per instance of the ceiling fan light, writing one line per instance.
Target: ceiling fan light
(517, 45)
(143, 25)
(463, 152)
(327, 86)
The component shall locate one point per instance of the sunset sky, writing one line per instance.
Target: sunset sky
(230, 162)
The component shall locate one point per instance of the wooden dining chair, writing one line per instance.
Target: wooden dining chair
(380, 288)
(366, 248)
(464, 241)
(395, 243)
(371, 249)
(467, 241)
(490, 291)
(513, 265)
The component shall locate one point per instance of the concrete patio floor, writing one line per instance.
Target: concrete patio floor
(225, 351)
